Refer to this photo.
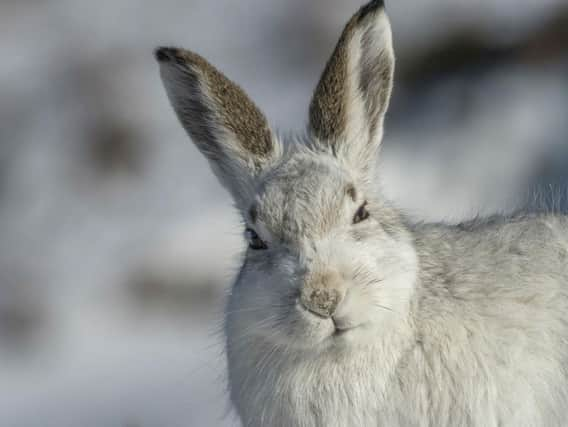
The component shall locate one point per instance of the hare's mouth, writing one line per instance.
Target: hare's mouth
(341, 332)
(342, 327)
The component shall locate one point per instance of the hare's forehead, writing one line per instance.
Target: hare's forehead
(311, 179)
(307, 193)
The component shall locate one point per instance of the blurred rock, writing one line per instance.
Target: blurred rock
(20, 323)
(469, 51)
(114, 148)
(113, 142)
(23, 317)
(186, 267)
(173, 293)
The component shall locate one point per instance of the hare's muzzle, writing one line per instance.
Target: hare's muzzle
(321, 301)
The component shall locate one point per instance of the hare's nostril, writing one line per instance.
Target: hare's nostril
(322, 302)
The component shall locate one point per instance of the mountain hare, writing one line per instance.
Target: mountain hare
(346, 314)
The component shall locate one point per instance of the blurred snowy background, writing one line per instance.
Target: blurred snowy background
(116, 242)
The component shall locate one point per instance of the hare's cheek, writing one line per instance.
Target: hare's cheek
(362, 234)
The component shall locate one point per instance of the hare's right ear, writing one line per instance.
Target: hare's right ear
(221, 120)
(351, 99)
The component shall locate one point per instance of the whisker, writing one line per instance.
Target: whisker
(383, 306)
(244, 310)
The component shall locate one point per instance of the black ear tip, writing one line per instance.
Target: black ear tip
(165, 54)
(371, 7)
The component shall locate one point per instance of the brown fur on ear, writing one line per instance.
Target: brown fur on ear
(328, 116)
(213, 103)
(343, 82)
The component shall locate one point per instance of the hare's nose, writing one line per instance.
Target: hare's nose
(322, 302)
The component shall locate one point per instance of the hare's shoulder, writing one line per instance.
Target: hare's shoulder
(494, 289)
(504, 260)
(530, 236)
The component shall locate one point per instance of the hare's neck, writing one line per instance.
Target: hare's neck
(291, 388)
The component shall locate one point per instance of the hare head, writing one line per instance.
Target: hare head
(328, 261)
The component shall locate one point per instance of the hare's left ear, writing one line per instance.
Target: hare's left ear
(222, 121)
(350, 101)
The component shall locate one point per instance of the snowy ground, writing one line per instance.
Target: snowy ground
(117, 244)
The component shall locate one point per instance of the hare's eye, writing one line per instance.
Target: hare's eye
(254, 241)
(362, 214)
